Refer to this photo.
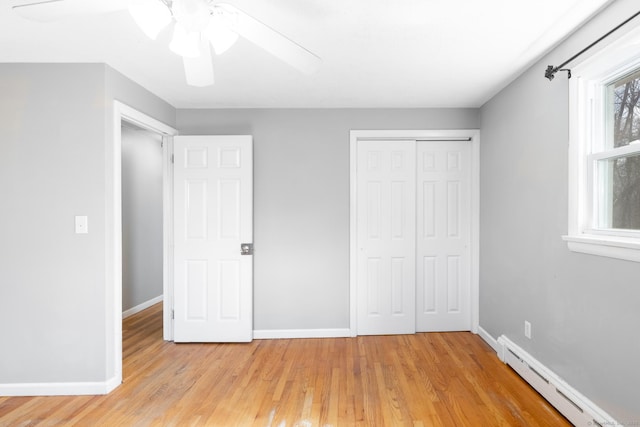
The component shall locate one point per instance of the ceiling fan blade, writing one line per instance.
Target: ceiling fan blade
(272, 41)
(53, 10)
(199, 71)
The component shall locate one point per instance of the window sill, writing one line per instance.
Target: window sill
(625, 248)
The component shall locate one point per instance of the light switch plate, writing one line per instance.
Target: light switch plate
(82, 225)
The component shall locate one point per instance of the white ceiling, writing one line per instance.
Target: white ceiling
(375, 53)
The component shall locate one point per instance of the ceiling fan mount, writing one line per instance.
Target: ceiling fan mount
(194, 15)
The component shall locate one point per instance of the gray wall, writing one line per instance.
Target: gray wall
(51, 168)
(583, 309)
(301, 201)
(141, 216)
(56, 123)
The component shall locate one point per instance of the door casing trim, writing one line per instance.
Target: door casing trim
(113, 300)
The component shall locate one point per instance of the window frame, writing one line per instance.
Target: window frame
(587, 135)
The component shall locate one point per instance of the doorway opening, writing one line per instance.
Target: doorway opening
(142, 229)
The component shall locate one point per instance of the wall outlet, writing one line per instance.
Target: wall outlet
(527, 329)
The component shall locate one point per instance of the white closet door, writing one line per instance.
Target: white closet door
(386, 212)
(213, 216)
(443, 236)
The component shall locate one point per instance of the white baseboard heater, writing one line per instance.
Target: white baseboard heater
(579, 410)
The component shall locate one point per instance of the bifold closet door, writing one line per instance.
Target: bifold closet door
(443, 236)
(386, 234)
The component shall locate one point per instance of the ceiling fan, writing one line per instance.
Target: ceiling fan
(198, 26)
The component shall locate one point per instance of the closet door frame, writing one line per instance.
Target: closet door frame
(471, 135)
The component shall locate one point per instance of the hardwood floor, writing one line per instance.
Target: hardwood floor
(437, 379)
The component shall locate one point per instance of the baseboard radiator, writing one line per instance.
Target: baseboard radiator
(579, 410)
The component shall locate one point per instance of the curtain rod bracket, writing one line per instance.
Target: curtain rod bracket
(551, 71)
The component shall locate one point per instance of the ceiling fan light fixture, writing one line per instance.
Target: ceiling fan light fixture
(185, 43)
(220, 36)
(150, 15)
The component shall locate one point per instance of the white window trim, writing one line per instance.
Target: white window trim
(613, 59)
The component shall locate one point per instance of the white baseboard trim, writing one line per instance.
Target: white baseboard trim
(267, 334)
(567, 400)
(488, 339)
(112, 384)
(57, 389)
(138, 308)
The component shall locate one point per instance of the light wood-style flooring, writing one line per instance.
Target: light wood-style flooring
(436, 379)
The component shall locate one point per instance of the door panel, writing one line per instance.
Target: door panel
(386, 237)
(213, 216)
(443, 236)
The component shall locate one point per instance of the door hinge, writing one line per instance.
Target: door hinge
(172, 158)
(173, 314)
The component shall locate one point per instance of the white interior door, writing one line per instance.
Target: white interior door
(213, 216)
(386, 201)
(444, 236)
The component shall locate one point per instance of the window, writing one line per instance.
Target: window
(604, 155)
(616, 163)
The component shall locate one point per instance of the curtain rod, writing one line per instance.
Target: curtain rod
(551, 70)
